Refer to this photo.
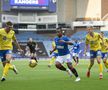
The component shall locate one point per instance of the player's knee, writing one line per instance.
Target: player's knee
(92, 63)
(57, 64)
(104, 61)
(70, 65)
(98, 61)
(73, 57)
(8, 57)
(3, 63)
(8, 61)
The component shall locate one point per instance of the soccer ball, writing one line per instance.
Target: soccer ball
(32, 63)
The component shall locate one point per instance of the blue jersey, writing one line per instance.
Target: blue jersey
(76, 48)
(61, 46)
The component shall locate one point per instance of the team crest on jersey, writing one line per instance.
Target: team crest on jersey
(4, 37)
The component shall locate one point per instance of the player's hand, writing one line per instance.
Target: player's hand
(21, 51)
(50, 52)
(107, 48)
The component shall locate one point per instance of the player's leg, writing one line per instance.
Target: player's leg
(104, 58)
(105, 62)
(60, 66)
(74, 57)
(100, 64)
(92, 57)
(7, 65)
(3, 62)
(90, 66)
(70, 66)
(53, 58)
(58, 63)
(51, 61)
(33, 56)
(77, 58)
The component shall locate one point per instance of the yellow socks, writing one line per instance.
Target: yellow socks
(6, 69)
(52, 61)
(11, 67)
(100, 68)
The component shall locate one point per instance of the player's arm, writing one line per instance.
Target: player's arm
(36, 46)
(101, 38)
(107, 44)
(86, 45)
(16, 43)
(53, 50)
(67, 41)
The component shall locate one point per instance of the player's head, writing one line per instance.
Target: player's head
(59, 32)
(76, 41)
(9, 26)
(30, 39)
(90, 29)
(102, 34)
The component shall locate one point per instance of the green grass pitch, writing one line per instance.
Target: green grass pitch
(43, 78)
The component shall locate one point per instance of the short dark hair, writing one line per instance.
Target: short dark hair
(9, 23)
(59, 29)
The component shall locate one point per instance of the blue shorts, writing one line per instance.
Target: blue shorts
(3, 54)
(54, 54)
(104, 55)
(95, 54)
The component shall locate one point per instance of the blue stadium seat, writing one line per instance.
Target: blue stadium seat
(23, 37)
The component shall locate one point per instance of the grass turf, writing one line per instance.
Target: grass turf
(43, 78)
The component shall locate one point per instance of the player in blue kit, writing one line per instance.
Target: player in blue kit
(62, 43)
(75, 52)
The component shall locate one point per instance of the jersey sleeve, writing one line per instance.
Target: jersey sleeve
(14, 37)
(0, 31)
(67, 39)
(86, 40)
(107, 40)
(79, 46)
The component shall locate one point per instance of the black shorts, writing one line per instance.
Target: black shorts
(32, 51)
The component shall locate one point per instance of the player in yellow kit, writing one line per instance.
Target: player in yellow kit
(7, 36)
(53, 55)
(93, 40)
(104, 50)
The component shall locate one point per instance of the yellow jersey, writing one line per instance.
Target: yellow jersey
(94, 41)
(6, 39)
(53, 46)
(103, 46)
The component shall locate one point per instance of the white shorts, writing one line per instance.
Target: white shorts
(66, 58)
(75, 54)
